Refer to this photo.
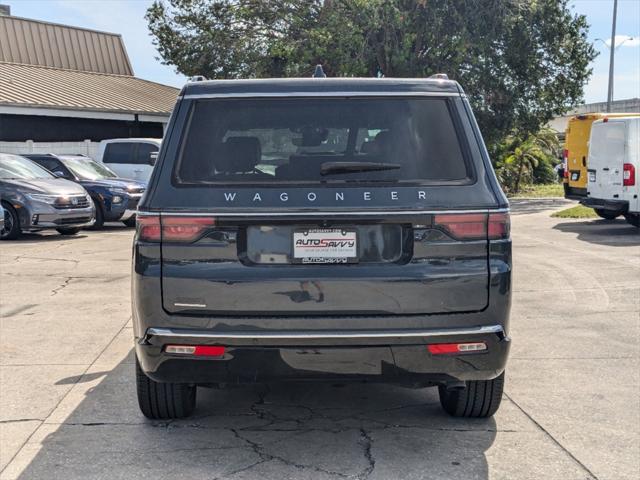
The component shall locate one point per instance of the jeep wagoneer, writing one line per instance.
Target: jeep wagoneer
(322, 229)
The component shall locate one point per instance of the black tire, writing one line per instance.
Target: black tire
(480, 399)
(606, 214)
(164, 401)
(130, 222)
(11, 229)
(99, 223)
(633, 219)
(67, 231)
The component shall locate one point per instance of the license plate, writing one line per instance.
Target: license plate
(592, 177)
(325, 245)
(575, 176)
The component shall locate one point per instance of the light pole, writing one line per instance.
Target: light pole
(612, 50)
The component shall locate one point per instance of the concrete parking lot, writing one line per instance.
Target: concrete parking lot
(571, 409)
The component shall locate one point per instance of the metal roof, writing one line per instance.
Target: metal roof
(325, 86)
(59, 46)
(37, 86)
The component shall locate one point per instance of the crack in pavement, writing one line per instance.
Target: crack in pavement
(64, 285)
(367, 443)
(258, 449)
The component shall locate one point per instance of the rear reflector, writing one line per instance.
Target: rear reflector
(474, 226)
(196, 350)
(449, 348)
(628, 175)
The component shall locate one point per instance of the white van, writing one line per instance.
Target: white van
(614, 167)
(130, 157)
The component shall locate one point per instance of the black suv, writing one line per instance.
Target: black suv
(322, 229)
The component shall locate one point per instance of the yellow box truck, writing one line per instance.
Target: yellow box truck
(576, 152)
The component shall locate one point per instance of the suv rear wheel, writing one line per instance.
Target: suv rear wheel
(164, 401)
(607, 214)
(480, 398)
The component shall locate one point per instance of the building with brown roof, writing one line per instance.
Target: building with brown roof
(62, 83)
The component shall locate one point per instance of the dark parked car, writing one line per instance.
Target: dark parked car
(34, 199)
(322, 229)
(115, 199)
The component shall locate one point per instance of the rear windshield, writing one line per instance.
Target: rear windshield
(322, 140)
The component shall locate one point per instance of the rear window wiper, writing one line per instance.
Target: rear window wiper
(331, 168)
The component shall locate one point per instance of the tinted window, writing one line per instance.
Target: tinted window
(118, 153)
(88, 169)
(315, 140)
(143, 155)
(13, 166)
(50, 164)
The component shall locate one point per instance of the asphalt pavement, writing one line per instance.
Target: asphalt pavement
(571, 409)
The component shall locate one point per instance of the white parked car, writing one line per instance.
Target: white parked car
(614, 167)
(132, 158)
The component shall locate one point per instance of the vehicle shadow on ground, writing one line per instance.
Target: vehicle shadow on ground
(612, 233)
(317, 431)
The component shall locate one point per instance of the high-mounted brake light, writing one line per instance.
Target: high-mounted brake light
(628, 175)
(454, 348)
(148, 228)
(196, 350)
(184, 229)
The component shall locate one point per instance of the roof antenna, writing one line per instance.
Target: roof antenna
(319, 72)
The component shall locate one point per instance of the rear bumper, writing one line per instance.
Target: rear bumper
(621, 206)
(574, 193)
(393, 356)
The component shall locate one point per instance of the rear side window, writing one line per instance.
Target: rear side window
(143, 154)
(118, 153)
(322, 140)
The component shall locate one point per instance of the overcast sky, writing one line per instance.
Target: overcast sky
(127, 18)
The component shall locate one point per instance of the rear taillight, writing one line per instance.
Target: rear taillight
(474, 226)
(184, 229)
(565, 163)
(628, 175)
(148, 227)
(173, 228)
(463, 226)
(499, 226)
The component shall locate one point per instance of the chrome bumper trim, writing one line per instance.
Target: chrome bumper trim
(161, 336)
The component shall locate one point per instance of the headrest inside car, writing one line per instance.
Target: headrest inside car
(238, 155)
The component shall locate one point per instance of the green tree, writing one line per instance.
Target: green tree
(521, 62)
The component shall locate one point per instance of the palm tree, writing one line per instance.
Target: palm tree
(524, 156)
